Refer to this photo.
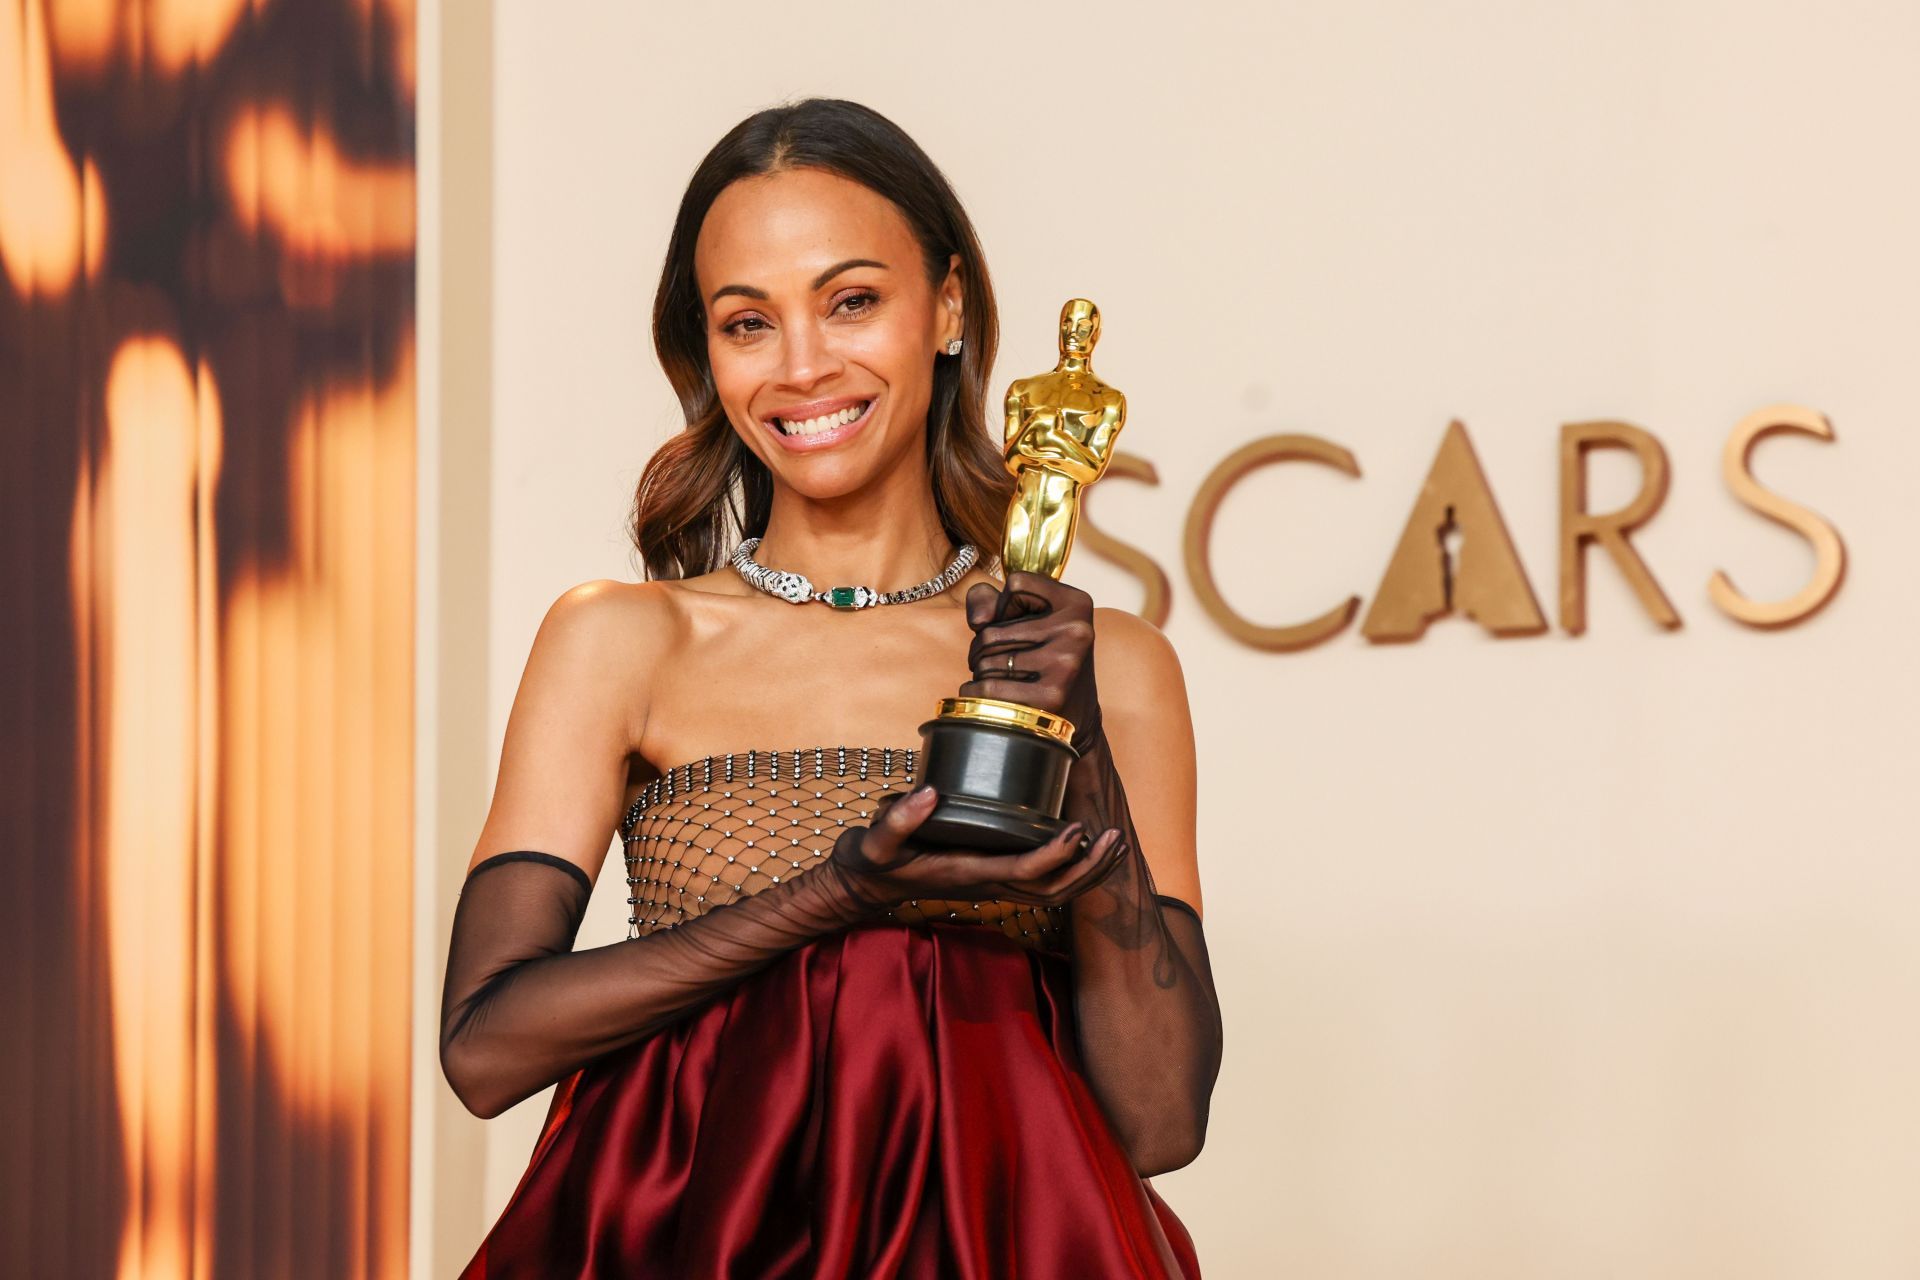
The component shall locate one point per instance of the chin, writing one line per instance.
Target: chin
(825, 479)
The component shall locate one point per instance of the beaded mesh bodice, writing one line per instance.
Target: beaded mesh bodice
(724, 827)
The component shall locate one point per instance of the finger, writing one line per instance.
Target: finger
(897, 821)
(1040, 593)
(1101, 871)
(1059, 886)
(999, 638)
(1068, 628)
(1040, 678)
(1021, 604)
(985, 660)
(990, 874)
(983, 602)
(1068, 883)
(1054, 590)
(1089, 870)
(1001, 689)
(1049, 857)
(1064, 656)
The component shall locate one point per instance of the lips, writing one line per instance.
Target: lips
(822, 423)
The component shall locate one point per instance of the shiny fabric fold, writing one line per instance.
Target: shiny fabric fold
(885, 1101)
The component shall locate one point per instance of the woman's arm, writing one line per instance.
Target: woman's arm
(521, 1009)
(1148, 1018)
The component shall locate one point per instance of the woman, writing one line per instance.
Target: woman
(823, 1051)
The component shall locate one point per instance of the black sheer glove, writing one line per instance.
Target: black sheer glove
(522, 1010)
(1046, 628)
(1149, 1021)
(1144, 1001)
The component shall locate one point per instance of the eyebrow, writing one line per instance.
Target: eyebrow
(748, 291)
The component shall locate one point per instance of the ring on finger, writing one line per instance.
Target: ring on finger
(1009, 665)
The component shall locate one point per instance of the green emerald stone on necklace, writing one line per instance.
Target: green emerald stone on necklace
(844, 597)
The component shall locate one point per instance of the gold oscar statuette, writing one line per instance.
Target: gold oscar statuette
(1001, 767)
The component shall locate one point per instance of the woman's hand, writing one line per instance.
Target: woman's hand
(881, 865)
(1033, 644)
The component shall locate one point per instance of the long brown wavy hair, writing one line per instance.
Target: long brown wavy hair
(704, 489)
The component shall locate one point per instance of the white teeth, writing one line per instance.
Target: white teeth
(825, 422)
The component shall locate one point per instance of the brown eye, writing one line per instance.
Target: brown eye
(859, 303)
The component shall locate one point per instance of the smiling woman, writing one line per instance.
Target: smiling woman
(824, 1050)
(765, 225)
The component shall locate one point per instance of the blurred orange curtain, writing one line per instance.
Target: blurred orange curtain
(207, 466)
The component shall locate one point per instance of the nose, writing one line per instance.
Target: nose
(807, 357)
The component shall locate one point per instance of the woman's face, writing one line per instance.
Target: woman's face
(822, 329)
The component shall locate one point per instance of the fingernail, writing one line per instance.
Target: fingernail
(922, 793)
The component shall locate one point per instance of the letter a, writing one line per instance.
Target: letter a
(1423, 582)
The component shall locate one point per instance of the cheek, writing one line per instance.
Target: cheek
(736, 376)
(899, 353)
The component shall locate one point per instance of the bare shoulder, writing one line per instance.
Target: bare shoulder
(608, 609)
(1129, 649)
(1143, 693)
(580, 707)
(609, 635)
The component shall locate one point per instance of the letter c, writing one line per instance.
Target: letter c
(1236, 465)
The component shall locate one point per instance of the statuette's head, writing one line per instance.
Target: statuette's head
(1079, 327)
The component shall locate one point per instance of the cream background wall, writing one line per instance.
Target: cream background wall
(1546, 957)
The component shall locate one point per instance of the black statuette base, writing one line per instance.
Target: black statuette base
(1000, 788)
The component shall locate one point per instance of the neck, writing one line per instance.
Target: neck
(1074, 362)
(886, 537)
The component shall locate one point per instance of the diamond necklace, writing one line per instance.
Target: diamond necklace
(795, 589)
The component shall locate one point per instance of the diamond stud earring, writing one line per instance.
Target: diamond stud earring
(953, 347)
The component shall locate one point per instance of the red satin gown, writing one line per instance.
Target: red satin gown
(899, 1099)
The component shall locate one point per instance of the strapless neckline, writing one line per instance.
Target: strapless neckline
(775, 764)
(789, 753)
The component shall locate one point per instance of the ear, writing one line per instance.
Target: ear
(950, 303)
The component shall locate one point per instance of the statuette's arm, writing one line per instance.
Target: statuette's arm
(1016, 412)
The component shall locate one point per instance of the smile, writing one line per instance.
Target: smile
(823, 425)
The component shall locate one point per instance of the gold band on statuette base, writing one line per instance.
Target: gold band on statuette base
(1009, 715)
